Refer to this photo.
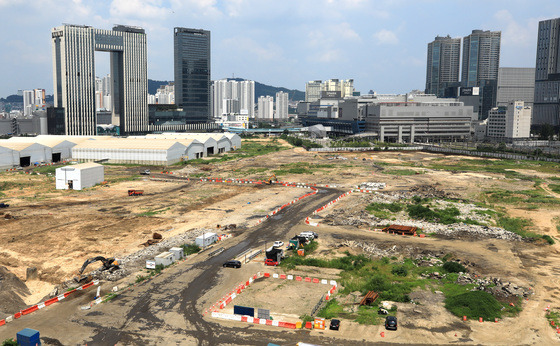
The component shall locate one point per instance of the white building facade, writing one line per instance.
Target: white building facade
(509, 123)
(281, 106)
(265, 108)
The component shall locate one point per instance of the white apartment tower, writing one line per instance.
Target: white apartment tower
(242, 91)
(74, 76)
(28, 100)
(281, 106)
(313, 90)
(265, 107)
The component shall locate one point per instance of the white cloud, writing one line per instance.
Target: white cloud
(386, 37)
(514, 32)
(207, 8)
(244, 46)
(145, 9)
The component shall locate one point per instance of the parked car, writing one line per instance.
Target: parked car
(278, 244)
(270, 262)
(391, 323)
(145, 172)
(335, 324)
(232, 264)
(309, 235)
(4, 205)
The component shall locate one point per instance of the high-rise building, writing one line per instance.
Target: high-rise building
(546, 109)
(28, 100)
(242, 91)
(481, 57)
(514, 84)
(313, 91)
(192, 73)
(265, 109)
(444, 55)
(74, 76)
(481, 61)
(281, 106)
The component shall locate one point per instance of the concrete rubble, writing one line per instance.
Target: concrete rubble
(355, 215)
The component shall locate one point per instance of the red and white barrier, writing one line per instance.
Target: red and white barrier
(222, 303)
(46, 303)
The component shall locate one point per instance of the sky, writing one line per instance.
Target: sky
(381, 44)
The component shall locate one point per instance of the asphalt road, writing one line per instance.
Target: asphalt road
(168, 309)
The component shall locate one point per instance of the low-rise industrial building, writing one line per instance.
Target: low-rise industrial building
(509, 123)
(80, 176)
(61, 149)
(418, 121)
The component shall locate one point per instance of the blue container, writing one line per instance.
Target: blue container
(28, 337)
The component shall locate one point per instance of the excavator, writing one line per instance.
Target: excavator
(108, 264)
(270, 179)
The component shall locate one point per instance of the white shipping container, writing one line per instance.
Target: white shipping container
(164, 258)
(177, 253)
(206, 239)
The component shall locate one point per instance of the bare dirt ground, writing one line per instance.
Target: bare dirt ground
(55, 231)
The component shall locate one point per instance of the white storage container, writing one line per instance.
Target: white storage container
(177, 253)
(164, 258)
(206, 239)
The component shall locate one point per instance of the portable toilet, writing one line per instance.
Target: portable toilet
(177, 253)
(164, 258)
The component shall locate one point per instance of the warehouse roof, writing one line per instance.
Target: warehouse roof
(49, 142)
(127, 143)
(16, 145)
(84, 165)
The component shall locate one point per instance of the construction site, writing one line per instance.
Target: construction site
(424, 237)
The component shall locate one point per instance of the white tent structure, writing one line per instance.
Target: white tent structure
(78, 177)
(29, 153)
(234, 139)
(138, 151)
(61, 148)
(9, 158)
(210, 144)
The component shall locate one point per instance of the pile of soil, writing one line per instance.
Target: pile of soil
(10, 286)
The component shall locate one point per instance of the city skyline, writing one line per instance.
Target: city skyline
(378, 45)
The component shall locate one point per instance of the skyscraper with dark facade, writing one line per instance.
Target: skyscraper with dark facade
(444, 55)
(546, 108)
(192, 73)
(481, 61)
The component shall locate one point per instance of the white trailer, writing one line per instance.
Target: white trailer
(206, 239)
(164, 258)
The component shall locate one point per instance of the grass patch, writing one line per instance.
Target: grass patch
(400, 172)
(153, 212)
(474, 305)
(555, 187)
(248, 149)
(553, 316)
(331, 310)
(444, 216)
(190, 249)
(368, 315)
(46, 169)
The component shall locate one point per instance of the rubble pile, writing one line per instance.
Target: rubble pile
(131, 262)
(356, 216)
(494, 286)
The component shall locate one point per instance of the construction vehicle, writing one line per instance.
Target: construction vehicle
(135, 192)
(110, 263)
(271, 179)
